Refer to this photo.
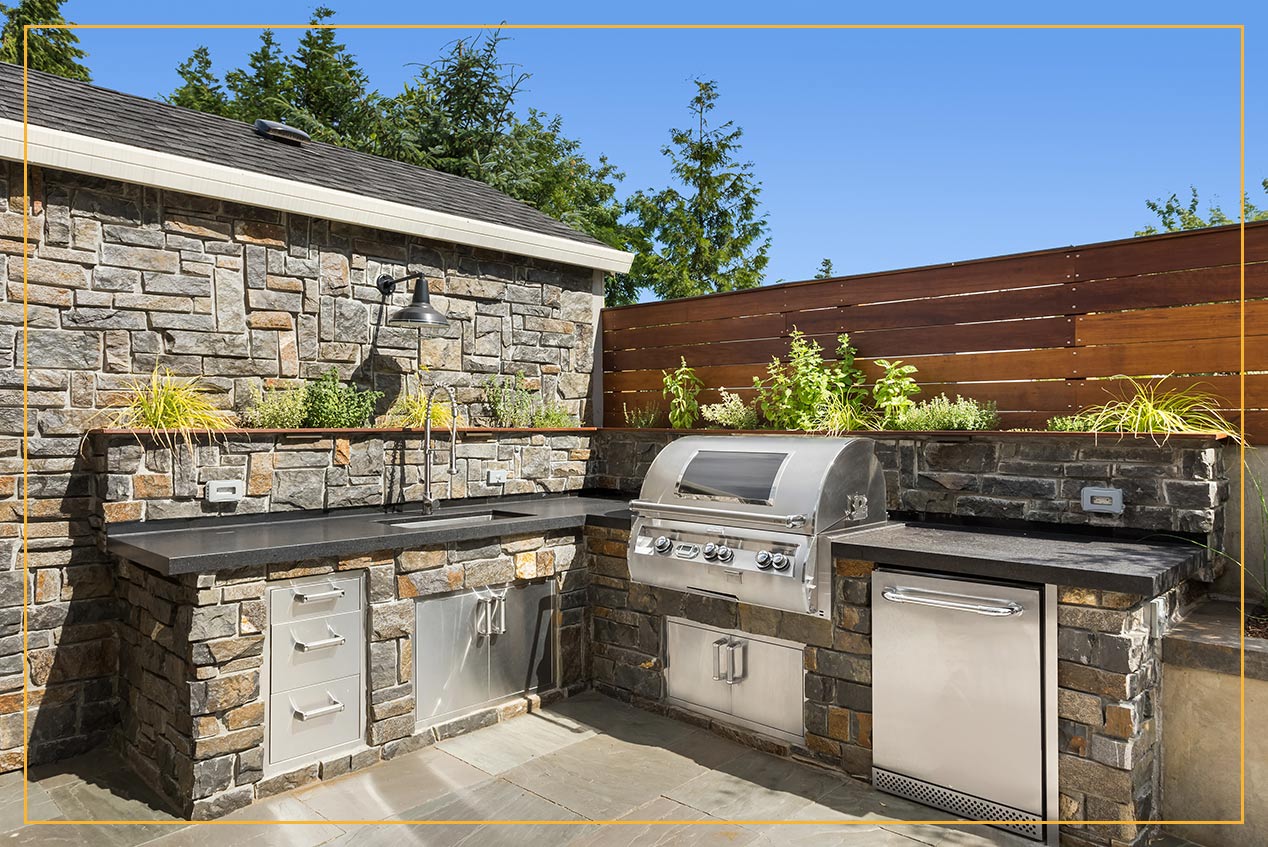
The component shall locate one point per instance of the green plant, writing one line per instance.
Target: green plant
(681, 386)
(641, 417)
(840, 414)
(276, 408)
(331, 404)
(893, 391)
(409, 410)
(509, 400)
(795, 391)
(169, 405)
(731, 413)
(1147, 406)
(551, 416)
(941, 413)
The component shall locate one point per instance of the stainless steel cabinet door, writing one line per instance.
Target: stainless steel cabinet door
(522, 658)
(451, 662)
(694, 660)
(770, 686)
(957, 685)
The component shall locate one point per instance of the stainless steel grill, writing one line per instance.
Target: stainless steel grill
(743, 517)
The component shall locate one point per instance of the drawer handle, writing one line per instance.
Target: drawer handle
(990, 608)
(335, 640)
(303, 597)
(718, 647)
(334, 708)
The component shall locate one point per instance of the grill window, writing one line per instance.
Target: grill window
(734, 476)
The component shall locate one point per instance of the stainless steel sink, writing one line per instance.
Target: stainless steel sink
(442, 520)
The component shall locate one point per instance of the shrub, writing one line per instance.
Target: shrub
(551, 416)
(169, 405)
(331, 404)
(794, 392)
(509, 400)
(731, 413)
(941, 413)
(893, 391)
(681, 386)
(641, 417)
(276, 408)
(1146, 406)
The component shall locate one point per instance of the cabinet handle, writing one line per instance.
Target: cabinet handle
(501, 601)
(334, 707)
(732, 675)
(989, 607)
(482, 617)
(335, 640)
(302, 597)
(717, 657)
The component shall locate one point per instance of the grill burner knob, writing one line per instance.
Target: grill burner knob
(710, 551)
(662, 544)
(763, 560)
(724, 553)
(780, 562)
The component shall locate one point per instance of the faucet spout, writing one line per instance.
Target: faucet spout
(429, 500)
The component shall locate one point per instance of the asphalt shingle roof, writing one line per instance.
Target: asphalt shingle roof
(101, 113)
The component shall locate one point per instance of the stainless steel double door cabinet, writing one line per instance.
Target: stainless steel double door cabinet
(479, 646)
(963, 696)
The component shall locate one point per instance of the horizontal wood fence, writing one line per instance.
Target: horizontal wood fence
(1035, 332)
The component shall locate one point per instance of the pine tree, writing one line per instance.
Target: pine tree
(712, 238)
(54, 51)
(326, 87)
(201, 89)
(259, 90)
(825, 270)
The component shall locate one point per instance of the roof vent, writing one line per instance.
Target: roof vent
(280, 131)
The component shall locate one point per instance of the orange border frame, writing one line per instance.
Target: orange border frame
(1241, 28)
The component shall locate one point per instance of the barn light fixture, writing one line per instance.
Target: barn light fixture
(420, 312)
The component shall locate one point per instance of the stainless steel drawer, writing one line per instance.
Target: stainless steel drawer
(307, 652)
(316, 718)
(320, 596)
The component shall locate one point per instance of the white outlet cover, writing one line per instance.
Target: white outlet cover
(225, 490)
(497, 476)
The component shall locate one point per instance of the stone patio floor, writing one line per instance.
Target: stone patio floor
(587, 758)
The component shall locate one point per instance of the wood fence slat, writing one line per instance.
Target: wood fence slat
(1218, 320)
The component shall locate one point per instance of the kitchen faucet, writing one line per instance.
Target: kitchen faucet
(429, 501)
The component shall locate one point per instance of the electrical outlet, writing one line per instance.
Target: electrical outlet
(497, 476)
(1107, 500)
(225, 490)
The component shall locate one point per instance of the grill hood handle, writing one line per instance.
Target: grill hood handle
(789, 521)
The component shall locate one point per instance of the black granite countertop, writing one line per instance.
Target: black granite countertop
(203, 545)
(1085, 561)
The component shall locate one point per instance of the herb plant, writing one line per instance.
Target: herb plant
(276, 408)
(681, 386)
(795, 391)
(551, 416)
(409, 410)
(332, 404)
(731, 413)
(171, 406)
(509, 400)
(840, 414)
(641, 417)
(1146, 406)
(893, 391)
(941, 413)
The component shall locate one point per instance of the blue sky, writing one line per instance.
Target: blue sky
(877, 148)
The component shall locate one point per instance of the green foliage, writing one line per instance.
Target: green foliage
(171, 406)
(681, 386)
(795, 391)
(330, 404)
(711, 238)
(893, 391)
(552, 416)
(1176, 216)
(641, 417)
(731, 413)
(940, 413)
(1147, 406)
(276, 408)
(201, 90)
(825, 270)
(509, 400)
(839, 414)
(260, 89)
(410, 410)
(54, 51)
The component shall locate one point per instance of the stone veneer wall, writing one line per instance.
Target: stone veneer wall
(124, 278)
(191, 650)
(1108, 681)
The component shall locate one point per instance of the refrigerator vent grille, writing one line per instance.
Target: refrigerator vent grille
(965, 805)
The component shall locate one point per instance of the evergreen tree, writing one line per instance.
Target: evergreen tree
(1175, 216)
(201, 89)
(259, 90)
(825, 270)
(54, 51)
(327, 89)
(712, 238)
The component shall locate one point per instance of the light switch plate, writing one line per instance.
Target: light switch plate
(497, 476)
(225, 490)
(1106, 500)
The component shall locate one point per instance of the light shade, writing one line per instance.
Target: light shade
(420, 312)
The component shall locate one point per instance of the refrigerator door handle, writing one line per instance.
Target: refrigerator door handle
(988, 607)
(717, 657)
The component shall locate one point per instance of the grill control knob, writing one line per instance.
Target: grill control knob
(780, 562)
(763, 560)
(710, 551)
(662, 544)
(725, 553)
